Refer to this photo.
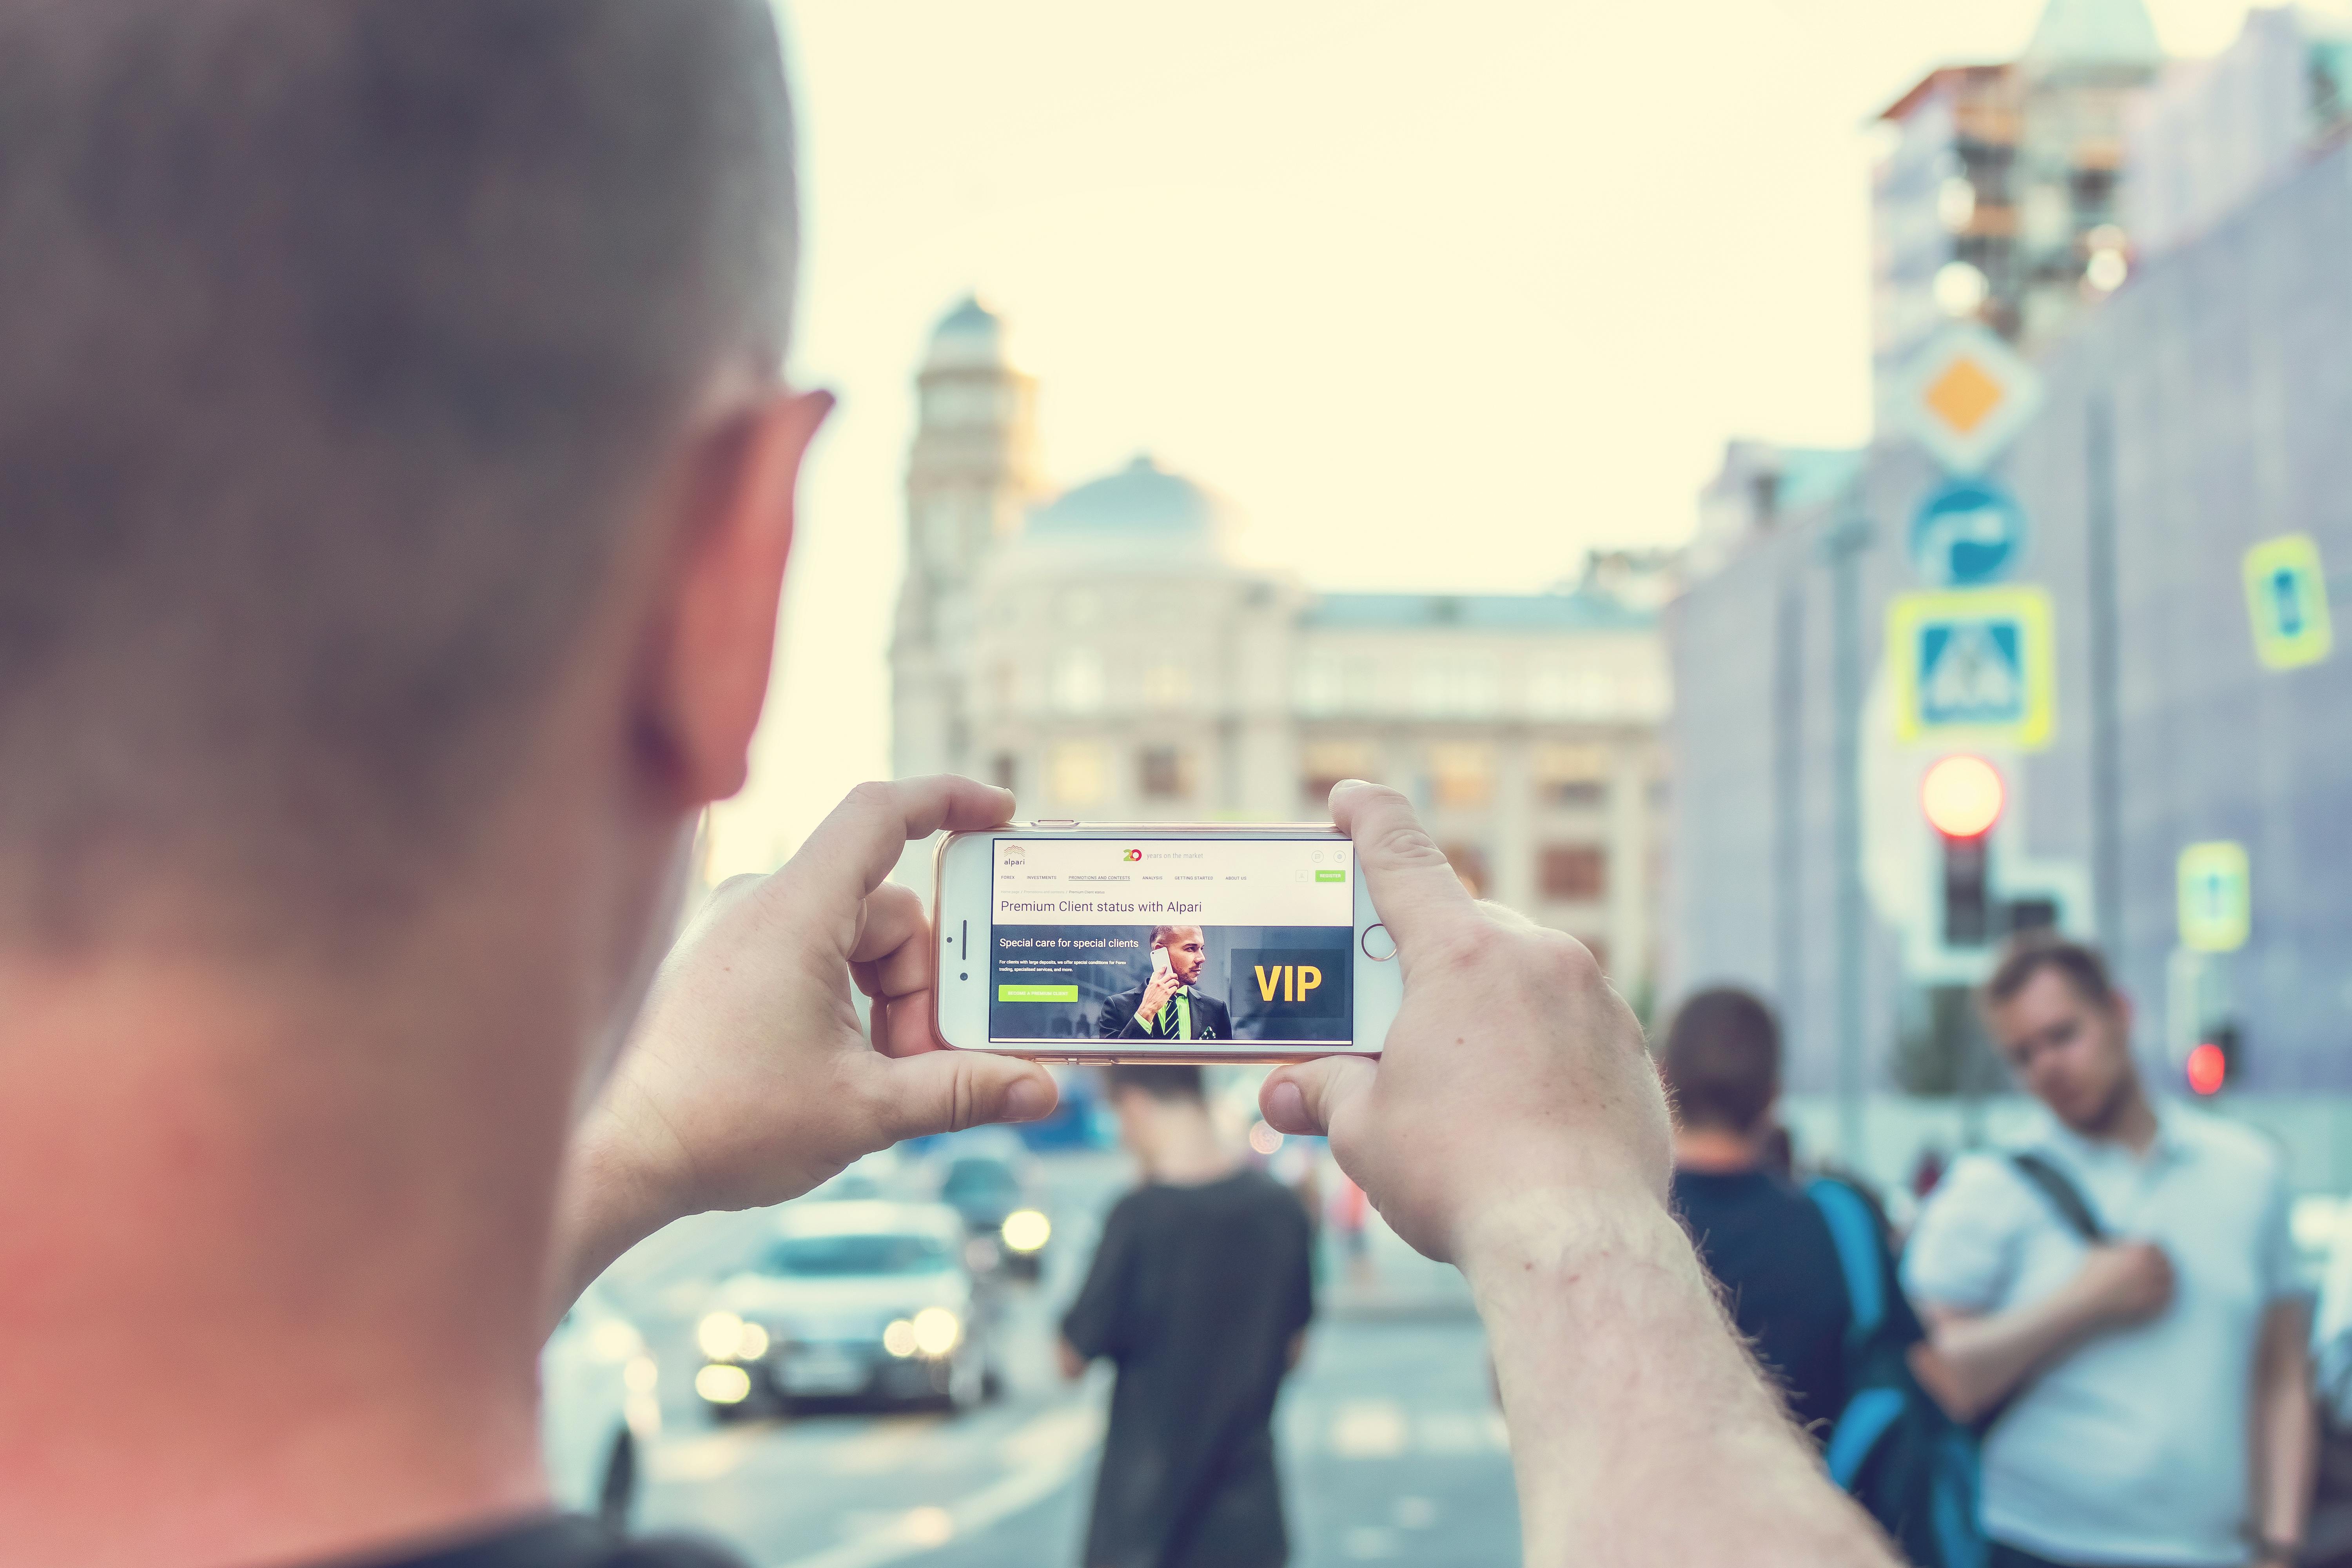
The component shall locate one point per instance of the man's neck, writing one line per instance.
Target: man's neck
(1183, 1148)
(2128, 1119)
(271, 1299)
(1715, 1151)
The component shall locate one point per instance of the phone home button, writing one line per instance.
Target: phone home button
(1377, 944)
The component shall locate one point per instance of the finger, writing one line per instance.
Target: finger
(892, 916)
(1306, 1097)
(1415, 890)
(858, 844)
(946, 1091)
(903, 1025)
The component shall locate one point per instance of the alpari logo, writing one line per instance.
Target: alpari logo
(1014, 855)
(1134, 854)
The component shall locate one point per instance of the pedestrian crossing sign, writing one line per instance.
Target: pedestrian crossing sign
(2286, 598)
(1973, 664)
(2217, 905)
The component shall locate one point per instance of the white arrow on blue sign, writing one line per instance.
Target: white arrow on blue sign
(1967, 532)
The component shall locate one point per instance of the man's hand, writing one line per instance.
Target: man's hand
(2126, 1282)
(1155, 996)
(1514, 1125)
(1511, 1074)
(748, 1079)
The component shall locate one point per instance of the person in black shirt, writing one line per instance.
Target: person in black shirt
(1199, 1293)
(1760, 1237)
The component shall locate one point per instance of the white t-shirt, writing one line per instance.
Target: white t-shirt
(2135, 1447)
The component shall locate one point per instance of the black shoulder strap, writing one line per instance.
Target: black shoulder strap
(2064, 1196)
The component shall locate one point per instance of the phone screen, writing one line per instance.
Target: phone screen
(1172, 942)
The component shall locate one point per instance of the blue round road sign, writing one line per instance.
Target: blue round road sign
(1967, 531)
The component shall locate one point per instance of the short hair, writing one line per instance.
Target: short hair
(1164, 1082)
(1164, 936)
(2029, 954)
(1722, 1059)
(343, 340)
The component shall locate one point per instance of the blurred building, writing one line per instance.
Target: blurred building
(1996, 200)
(2201, 410)
(1103, 654)
(2213, 132)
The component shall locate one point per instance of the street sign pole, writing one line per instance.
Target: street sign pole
(2106, 717)
(1843, 549)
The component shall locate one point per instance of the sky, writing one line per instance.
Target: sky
(1438, 297)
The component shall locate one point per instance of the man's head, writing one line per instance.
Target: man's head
(1148, 1099)
(1722, 1061)
(2063, 1028)
(355, 351)
(1187, 949)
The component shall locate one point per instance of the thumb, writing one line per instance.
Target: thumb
(1308, 1098)
(947, 1092)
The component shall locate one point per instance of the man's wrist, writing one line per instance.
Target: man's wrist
(1541, 1233)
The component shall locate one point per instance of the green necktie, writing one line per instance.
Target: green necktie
(1180, 1027)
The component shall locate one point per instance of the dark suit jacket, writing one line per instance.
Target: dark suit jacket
(1211, 1021)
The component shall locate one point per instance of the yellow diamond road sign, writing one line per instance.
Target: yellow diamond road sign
(1968, 396)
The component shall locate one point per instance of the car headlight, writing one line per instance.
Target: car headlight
(641, 1375)
(718, 1334)
(936, 1330)
(724, 1384)
(898, 1339)
(751, 1343)
(1025, 1230)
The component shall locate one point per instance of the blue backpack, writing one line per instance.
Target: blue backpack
(1893, 1448)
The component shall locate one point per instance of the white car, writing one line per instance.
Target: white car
(597, 1407)
(851, 1300)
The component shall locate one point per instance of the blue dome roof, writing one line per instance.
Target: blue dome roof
(970, 337)
(1140, 499)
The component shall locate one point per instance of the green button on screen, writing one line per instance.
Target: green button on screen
(1036, 994)
(1330, 876)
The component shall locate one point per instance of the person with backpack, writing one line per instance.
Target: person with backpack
(1810, 1279)
(2116, 1298)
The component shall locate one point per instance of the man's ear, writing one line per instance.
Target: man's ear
(705, 674)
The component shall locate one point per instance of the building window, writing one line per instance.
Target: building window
(1461, 775)
(1077, 684)
(1575, 777)
(1325, 762)
(1160, 773)
(1004, 772)
(1563, 689)
(1075, 773)
(1318, 687)
(1168, 685)
(1456, 688)
(1469, 863)
(1573, 873)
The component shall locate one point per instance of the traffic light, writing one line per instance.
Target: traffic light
(2213, 1061)
(1962, 798)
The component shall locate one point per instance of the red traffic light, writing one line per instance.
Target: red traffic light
(2209, 1068)
(1962, 797)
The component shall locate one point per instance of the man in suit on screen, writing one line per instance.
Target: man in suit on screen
(1170, 1005)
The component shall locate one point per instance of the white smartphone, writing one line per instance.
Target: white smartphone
(1050, 933)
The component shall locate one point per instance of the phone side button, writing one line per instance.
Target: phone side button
(1377, 944)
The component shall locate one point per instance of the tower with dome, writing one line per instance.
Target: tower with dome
(1100, 651)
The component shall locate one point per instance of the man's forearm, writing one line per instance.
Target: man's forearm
(1641, 1430)
(1989, 1358)
(2286, 1433)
